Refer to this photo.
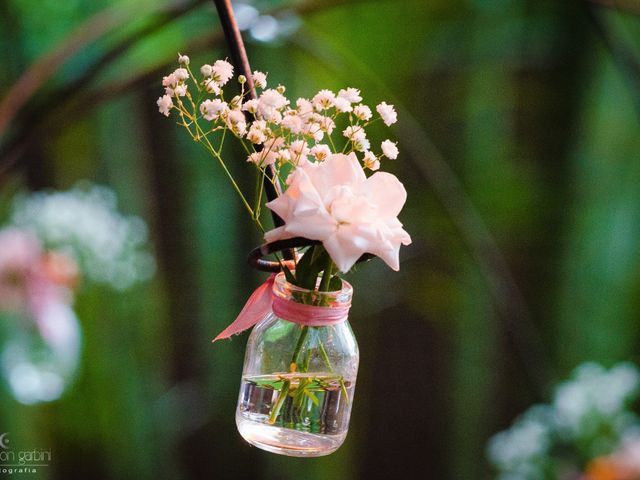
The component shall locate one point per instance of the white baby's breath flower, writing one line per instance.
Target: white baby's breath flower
(362, 112)
(236, 122)
(389, 149)
(255, 157)
(387, 113)
(323, 100)
(371, 161)
(180, 90)
(84, 224)
(327, 124)
(304, 106)
(206, 70)
(211, 86)
(358, 137)
(213, 109)
(292, 122)
(257, 132)
(250, 106)
(314, 130)
(342, 105)
(352, 95)
(235, 103)
(320, 152)
(270, 103)
(298, 149)
(259, 79)
(169, 81)
(222, 72)
(284, 155)
(181, 73)
(164, 104)
(269, 154)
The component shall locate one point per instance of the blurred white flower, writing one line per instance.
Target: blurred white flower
(84, 224)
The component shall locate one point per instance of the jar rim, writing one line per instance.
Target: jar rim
(343, 295)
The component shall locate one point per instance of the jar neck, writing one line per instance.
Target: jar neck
(310, 307)
(292, 293)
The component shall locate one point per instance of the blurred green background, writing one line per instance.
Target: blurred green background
(520, 146)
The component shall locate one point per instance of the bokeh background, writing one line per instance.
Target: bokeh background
(520, 146)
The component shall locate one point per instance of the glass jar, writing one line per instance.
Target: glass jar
(299, 373)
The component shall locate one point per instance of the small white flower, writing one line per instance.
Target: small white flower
(353, 132)
(389, 149)
(183, 59)
(235, 103)
(342, 105)
(292, 122)
(170, 80)
(213, 109)
(269, 105)
(323, 100)
(257, 132)
(327, 124)
(269, 154)
(206, 70)
(387, 113)
(236, 122)
(212, 86)
(362, 112)
(314, 130)
(304, 106)
(299, 148)
(259, 79)
(320, 152)
(164, 104)
(250, 106)
(255, 157)
(180, 90)
(371, 161)
(222, 71)
(352, 95)
(358, 137)
(181, 73)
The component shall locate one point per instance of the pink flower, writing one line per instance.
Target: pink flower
(336, 203)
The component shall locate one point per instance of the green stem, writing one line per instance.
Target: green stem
(295, 359)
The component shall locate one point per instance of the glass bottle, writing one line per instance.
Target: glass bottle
(298, 379)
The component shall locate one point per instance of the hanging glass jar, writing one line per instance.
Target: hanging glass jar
(299, 373)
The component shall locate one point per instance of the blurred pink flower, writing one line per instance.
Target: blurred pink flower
(336, 203)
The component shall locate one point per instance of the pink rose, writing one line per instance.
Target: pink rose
(334, 202)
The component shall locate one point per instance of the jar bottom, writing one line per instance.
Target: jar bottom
(287, 441)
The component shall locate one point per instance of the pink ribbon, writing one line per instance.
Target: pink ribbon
(262, 302)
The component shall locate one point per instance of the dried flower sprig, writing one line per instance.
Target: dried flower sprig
(273, 130)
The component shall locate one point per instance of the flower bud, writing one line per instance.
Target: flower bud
(242, 79)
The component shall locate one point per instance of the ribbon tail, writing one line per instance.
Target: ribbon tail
(257, 307)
